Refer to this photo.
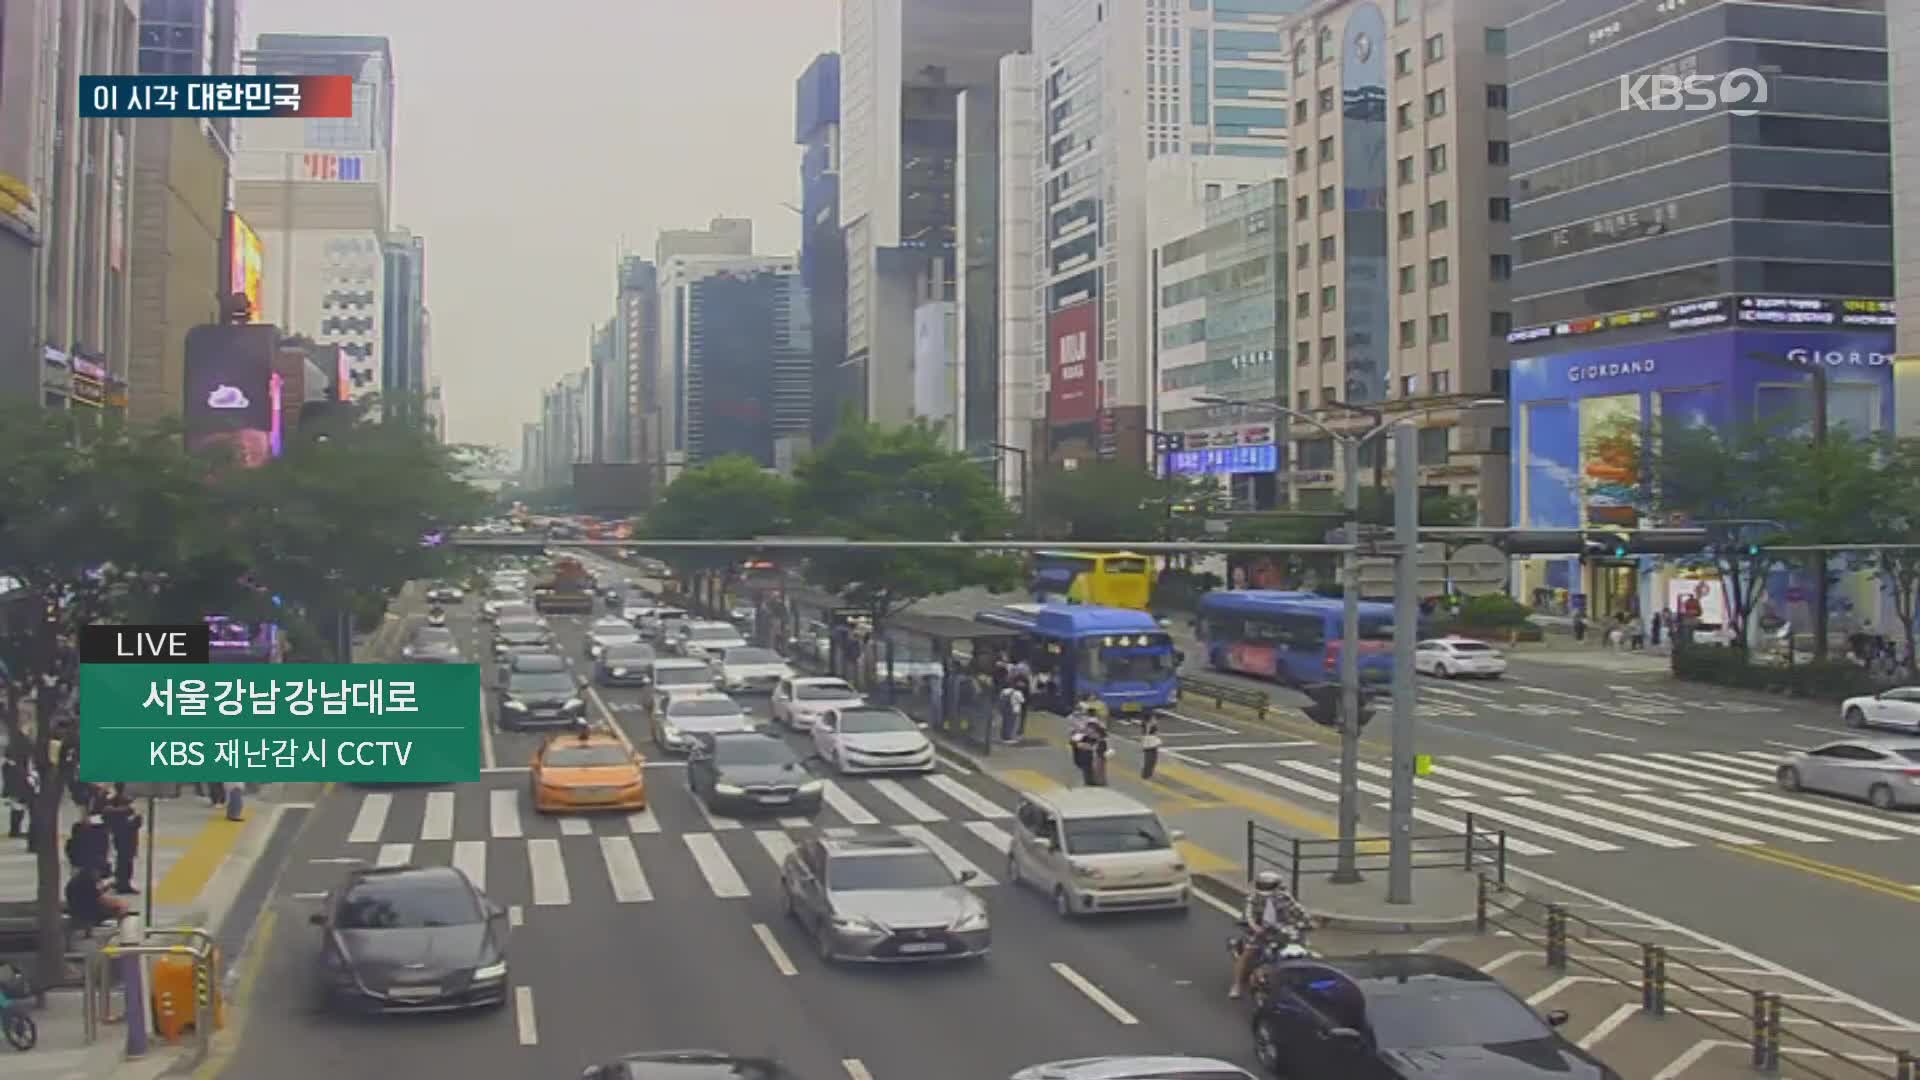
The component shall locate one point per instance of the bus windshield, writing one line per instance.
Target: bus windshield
(1128, 665)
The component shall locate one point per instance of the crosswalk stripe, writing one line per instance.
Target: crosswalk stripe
(1481, 809)
(1798, 817)
(643, 821)
(623, 869)
(1872, 821)
(1764, 766)
(1579, 762)
(372, 818)
(439, 820)
(1420, 783)
(1663, 821)
(714, 821)
(549, 873)
(795, 823)
(843, 804)
(714, 865)
(1592, 822)
(967, 797)
(1515, 846)
(899, 796)
(1481, 765)
(394, 855)
(1725, 818)
(1644, 761)
(503, 812)
(841, 832)
(1765, 757)
(1286, 782)
(948, 854)
(1332, 777)
(470, 858)
(992, 835)
(575, 826)
(1746, 773)
(1453, 770)
(1547, 766)
(777, 844)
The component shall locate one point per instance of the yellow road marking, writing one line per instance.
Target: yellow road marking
(1181, 799)
(1031, 781)
(220, 1054)
(1303, 729)
(196, 866)
(1202, 860)
(1846, 875)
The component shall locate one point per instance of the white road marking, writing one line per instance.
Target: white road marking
(1872, 821)
(1827, 731)
(778, 844)
(438, 824)
(1094, 994)
(487, 758)
(1451, 770)
(967, 797)
(899, 796)
(575, 826)
(1784, 745)
(503, 812)
(1576, 761)
(523, 1016)
(470, 858)
(1546, 993)
(1504, 959)
(516, 916)
(714, 821)
(1603, 734)
(1289, 745)
(1799, 818)
(1713, 764)
(855, 1070)
(953, 763)
(372, 818)
(1479, 765)
(503, 770)
(1420, 783)
(1208, 724)
(795, 823)
(1286, 782)
(714, 865)
(840, 831)
(843, 804)
(1647, 761)
(643, 821)
(1606, 1027)
(781, 961)
(1544, 766)
(996, 838)
(1452, 825)
(394, 855)
(1482, 810)
(1592, 822)
(1678, 1066)
(1728, 819)
(1662, 820)
(948, 854)
(623, 869)
(549, 873)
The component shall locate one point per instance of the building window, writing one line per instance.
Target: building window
(1326, 349)
(1303, 401)
(1325, 98)
(1500, 323)
(1436, 160)
(1301, 309)
(1300, 111)
(1302, 255)
(1436, 48)
(1406, 224)
(1302, 353)
(1300, 160)
(1439, 272)
(1496, 95)
(1497, 40)
(1496, 152)
(1435, 442)
(1329, 297)
(1500, 266)
(1443, 382)
(1301, 205)
(1402, 10)
(1323, 45)
(1500, 440)
(1409, 334)
(1499, 208)
(1404, 169)
(1502, 379)
(1409, 385)
(1327, 199)
(1329, 248)
(1403, 62)
(1326, 150)
(1436, 215)
(1403, 117)
(1439, 329)
(1436, 104)
(1409, 279)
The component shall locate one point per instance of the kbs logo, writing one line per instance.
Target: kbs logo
(1735, 91)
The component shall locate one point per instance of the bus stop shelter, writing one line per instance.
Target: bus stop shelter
(938, 669)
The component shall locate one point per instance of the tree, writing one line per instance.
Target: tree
(1895, 519)
(1833, 491)
(1114, 500)
(1376, 508)
(728, 498)
(876, 483)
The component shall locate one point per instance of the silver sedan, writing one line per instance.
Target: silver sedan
(1884, 772)
(881, 897)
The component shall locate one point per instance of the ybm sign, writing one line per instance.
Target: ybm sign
(332, 167)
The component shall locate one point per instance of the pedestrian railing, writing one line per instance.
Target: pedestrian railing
(108, 970)
(1472, 850)
(1773, 1028)
(1225, 694)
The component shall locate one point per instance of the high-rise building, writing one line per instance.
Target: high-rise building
(532, 468)
(837, 385)
(742, 357)
(903, 65)
(636, 343)
(608, 390)
(1903, 101)
(679, 256)
(65, 188)
(403, 318)
(1020, 351)
(320, 194)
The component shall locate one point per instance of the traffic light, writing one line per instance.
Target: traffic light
(1605, 545)
(1323, 705)
(1169, 442)
(1669, 542)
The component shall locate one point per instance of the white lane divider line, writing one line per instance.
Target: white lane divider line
(623, 869)
(916, 807)
(953, 764)
(470, 858)
(714, 865)
(573, 826)
(947, 853)
(1094, 994)
(781, 961)
(996, 838)
(777, 844)
(843, 804)
(371, 820)
(855, 1070)
(549, 873)
(967, 797)
(1548, 992)
(487, 758)
(713, 820)
(439, 821)
(394, 855)
(1678, 1066)
(503, 812)
(643, 821)
(1598, 734)
(523, 1016)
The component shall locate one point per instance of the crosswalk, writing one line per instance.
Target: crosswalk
(1603, 802)
(674, 848)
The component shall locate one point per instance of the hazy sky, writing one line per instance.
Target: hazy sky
(534, 138)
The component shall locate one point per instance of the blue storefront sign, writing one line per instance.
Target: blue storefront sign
(1264, 458)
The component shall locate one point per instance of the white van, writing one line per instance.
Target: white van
(1095, 850)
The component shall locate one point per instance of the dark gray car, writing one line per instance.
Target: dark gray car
(432, 645)
(629, 664)
(412, 939)
(882, 897)
(517, 632)
(751, 770)
(540, 699)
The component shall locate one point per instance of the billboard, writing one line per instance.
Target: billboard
(1072, 362)
(245, 258)
(276, 431)
(229, 389)
(935, 388)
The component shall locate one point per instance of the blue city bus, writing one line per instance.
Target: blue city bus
(1292, 637)
(1121, 655)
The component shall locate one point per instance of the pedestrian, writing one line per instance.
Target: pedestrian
(1149, 745)
(1013, 704)
(1023, 682)
(1658, 623)
(123, 828)
(1579, 627)
(88, 845)
(1080, 740)
(216, 793)
(18, 785)
(1101, 751)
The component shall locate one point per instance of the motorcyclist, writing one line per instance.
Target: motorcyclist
(1269, 909)
(436, 616)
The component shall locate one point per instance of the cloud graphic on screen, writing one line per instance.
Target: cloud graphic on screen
(227, 397)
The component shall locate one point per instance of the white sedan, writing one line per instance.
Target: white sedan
(797, 703)
(1454, 656)
(1896, 708)
(750, 670)
(869, 738)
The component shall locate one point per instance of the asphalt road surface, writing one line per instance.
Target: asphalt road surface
(664, 930)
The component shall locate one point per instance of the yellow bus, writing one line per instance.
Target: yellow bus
(1118, 579)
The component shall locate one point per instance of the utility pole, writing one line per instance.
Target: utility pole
(1406, 617)
(1346, 868)
(1819, 557)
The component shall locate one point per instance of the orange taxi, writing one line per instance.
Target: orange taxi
(589, 770)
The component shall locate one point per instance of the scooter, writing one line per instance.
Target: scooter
(436, 617)
(1289, 943)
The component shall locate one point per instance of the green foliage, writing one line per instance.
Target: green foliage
(1828, 680)
(875, 483)
(728, 498)
(1493, 611)
(1894, 518)
(1376, 508)
(1118, 501)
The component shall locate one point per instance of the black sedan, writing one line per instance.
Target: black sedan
(412, 939)
(520, 632)
(628, 664)
(540, 699)
(1384, 1016)
(445, 593)
(689, 1065)
(751, 770)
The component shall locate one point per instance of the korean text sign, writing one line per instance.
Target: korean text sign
(276, 723)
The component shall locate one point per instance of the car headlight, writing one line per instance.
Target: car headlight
(1081, 869)
(972, 920)
(812, 787)
(862, 927)
(620, 671)
(672, 733)
(728, 789)
(490, 972)
(516, 706)
(597, 650)
(574, 705)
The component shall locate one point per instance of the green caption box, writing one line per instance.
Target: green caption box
(280, 723)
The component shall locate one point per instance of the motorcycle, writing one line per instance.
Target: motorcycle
(437, 617)
(1285, 943)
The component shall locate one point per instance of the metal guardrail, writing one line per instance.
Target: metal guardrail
(1552, 929)
(1472, 850)
(1225, 694)
(100, 980)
